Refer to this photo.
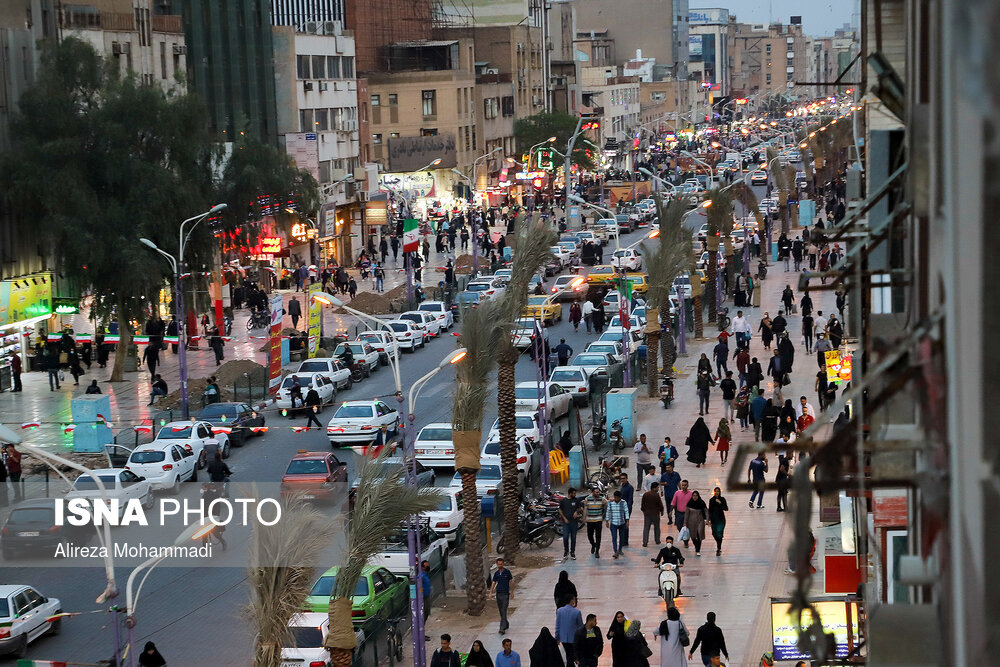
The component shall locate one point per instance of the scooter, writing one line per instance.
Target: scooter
(761, 270)
(532, 529)
(666, 390)
(666, 584)
(617, 441)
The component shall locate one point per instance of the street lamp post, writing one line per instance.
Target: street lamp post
(581, 200)
(407, 260)
(711, 176)
(177, 264)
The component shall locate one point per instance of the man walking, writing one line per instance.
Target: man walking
(594, 510)
(446, 656)
(680, 502)
(628, 495)
(570, 512)
(295, 312)
(568, 621)
(755, 474)
(643, 456)
(563, 352)
(710, 639)
(589, 643)
(616, 516)
(741, 328)
(651, 507)
(508, 657)
(501, 590)
(721, 354)
(670, 481)
(742, 357)
(728, 387)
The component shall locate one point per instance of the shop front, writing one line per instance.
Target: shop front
(26, 305)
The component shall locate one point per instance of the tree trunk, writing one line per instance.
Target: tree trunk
(652, 350)
(475, 578)
(713, 269)
(340, 657)
(508, 448)
(121, 348)
(699, 327)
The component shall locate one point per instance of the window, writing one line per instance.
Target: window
(491, 107)
(768, 78)
(394, 135)
(333, 67)
(347, 67)
(322, 120)
(428, 132)
(474, 137)
(768, 49)
(429, 102)
(302, 66)
(376, 139)
(337, 119)
(376, 100)
(393, 99)
(306, 120)
(319, 67)
(507, 105)
(163, 60)
(324, 171)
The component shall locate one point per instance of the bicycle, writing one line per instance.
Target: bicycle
(258, 320)
(723, 318)
(608, 472)
(394, 639)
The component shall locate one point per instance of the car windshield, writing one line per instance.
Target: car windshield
(562, 280)
(477, 287)
(174, 433)
(488, 472)
(526, 392)
(314, 366)
(306, 467)
(590, 360)
(26, 515)
(431, 307)
(413, 317)
(594, 347)
(147, 456)
(444, 503)
(524, 323)
(306, 636)
(399, 326)
(435, 434)
(566, 376)
(355, 411)
(324, 587)
(303, 381)
(538, 300)
(87, 483)
(524, 423)
(4, 608)
(220, 410)
(621, 253)
(468, 296)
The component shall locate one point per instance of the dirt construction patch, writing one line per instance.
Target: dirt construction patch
(227, 374)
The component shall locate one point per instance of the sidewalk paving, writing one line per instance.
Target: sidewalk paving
(737, 585)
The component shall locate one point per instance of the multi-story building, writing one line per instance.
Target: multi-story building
(633, 25)
(708, 47)
(143, 37)
(317, 101)
(766, 59)
(378, 23)
(423, 108)
(615, 97)
(307, 15)
(231, 65)
(564, 90)
(495, 111)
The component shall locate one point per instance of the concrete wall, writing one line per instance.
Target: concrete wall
(633, 24)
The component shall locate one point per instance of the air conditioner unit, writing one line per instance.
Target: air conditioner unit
(362, 196)
(331, 28)
(126, 47)
(307, 85)
(180, 49)
(116, 48)
(312, 27)
(323, 86)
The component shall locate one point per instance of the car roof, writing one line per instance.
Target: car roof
(371, 402)
(309, 619)
(437, 425)
(432, 303)
(179, 423)
(101, 471)
(306, 456)
(532, 383)
(36, 503)
(7, 590)
(569, 368)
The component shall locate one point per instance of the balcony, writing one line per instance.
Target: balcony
(166, 23)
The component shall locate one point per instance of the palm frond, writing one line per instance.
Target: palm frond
(532, 245)
(480, 335)
(777, 174)
(720, 213)
(381, 503)
(283, 560)
(671, 256)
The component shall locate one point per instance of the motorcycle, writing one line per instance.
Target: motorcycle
(617, 441)
(532, 529)
(666, 390)
(666, 583)
(546, 506)
(761, 270)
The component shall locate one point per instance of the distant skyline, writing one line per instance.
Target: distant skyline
(819, 19)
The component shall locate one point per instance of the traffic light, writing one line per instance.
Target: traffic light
(545, 161)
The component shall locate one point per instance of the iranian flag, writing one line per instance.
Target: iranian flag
(411, 235)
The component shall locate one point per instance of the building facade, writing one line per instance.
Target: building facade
(633, 25)
(766, 59)
(708, 47)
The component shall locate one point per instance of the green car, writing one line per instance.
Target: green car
(380, 594)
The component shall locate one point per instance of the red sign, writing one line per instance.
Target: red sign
(841, 573)
(269, 245)
(274, 356)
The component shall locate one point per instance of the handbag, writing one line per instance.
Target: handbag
(644, 649)
(64, 357)
(685, 534)
(62, 375)
(683, 634)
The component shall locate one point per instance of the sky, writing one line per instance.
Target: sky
(819, 17)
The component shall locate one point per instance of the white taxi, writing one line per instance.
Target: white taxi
(553, 397)
(362, 422)
(164, 465)
(441, 312)
(408, 335)
(434, 447)
(193, 436)
(318, 381)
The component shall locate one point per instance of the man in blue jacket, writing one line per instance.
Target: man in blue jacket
(757, 406)
(568, 621)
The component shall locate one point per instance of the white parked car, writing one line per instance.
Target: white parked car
(627, 258)
(568, 288)
(383, 341)
(488, 288)
(446, 519)
(633, 338)
(193, 436)
(121, 485)
(23, 617)
(594, 362)
(408, 335)
(362, 422)
(575, 379)
(553, 397)
(528, 455)
(307, 630)
(434, 447)
(325, 389)
(362, 352)
(333, 370)
(525, 425)
(488, 481)
(426, 320)
(611, 301)
(164, 465)
(615, 325)
(564, 256)
(614, 348)
(441, 312)
(394, 555)
(523, 332)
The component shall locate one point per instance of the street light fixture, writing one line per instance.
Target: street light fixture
(581, 200)
(330, 300)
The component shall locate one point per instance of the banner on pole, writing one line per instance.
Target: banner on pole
(274, 356)
(838, 369)
(315, 313)
(411, 235)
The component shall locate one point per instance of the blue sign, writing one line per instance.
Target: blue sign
(310, 136)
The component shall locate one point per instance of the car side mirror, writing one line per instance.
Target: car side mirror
(142, 479)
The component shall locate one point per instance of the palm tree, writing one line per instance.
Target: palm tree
(696, 291)
(746, 195)
(670, 257)
(383, 500)
(720, 223)
(780, 178)
(479, 337)
(531, 247)
(283, 561)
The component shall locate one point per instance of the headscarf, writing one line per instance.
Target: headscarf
(699, 432)
(153, 659)
(697, 503)
(545, 651)
(672, 615)
(724, 431)
(633, 629)
(480, 658)
(565, 590)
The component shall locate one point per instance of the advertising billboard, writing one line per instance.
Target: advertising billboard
(839, 616)
(713, 16)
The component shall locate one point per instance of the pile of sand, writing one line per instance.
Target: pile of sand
(463, 264)
(371, 303)
(226, 375)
